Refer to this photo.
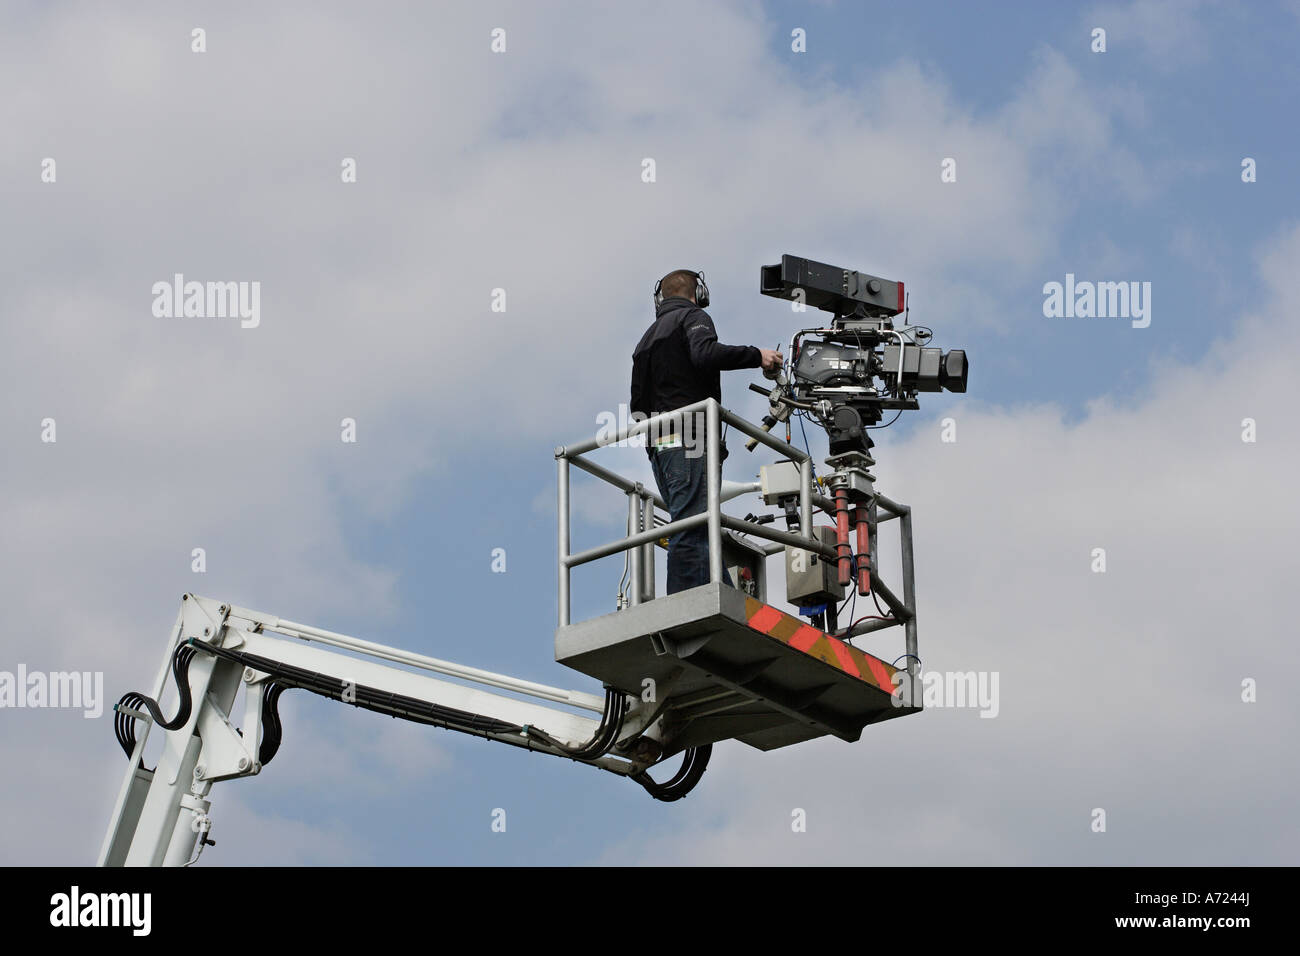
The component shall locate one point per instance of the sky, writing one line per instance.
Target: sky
(522, 170)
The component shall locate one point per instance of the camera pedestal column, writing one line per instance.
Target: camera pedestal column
(851, 484)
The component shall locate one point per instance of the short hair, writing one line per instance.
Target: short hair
(680, 283)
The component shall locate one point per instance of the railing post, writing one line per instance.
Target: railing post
(909, 588)
(714, 478)
(805, 498)
(562, 478)
(648, 559)
(634, 553)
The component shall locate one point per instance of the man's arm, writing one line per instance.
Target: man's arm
(643, 399)
(708, 353)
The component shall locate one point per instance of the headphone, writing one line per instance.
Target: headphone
(701, 290)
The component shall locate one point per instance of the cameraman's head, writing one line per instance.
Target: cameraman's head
(680, 284)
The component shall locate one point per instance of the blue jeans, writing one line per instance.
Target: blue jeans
(683, 486)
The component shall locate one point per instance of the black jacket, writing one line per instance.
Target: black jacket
(679, 360)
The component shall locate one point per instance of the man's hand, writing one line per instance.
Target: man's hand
(772, 359)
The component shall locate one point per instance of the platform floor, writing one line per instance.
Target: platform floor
(734, 668)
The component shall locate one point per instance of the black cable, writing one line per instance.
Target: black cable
(877, 603)
(600, 741)
(272, 728)
(606, 735)
(694, 763)
(888, 423)
(124, 724)
(181, 672)
(663, 791)
(812, 468)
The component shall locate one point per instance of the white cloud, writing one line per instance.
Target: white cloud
(1168, 34)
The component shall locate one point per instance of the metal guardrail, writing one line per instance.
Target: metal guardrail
(642, 533)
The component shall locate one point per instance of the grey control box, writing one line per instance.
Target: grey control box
(778, 480)
(811, 579)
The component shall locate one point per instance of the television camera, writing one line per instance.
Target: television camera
(847, 374)
(843, 376)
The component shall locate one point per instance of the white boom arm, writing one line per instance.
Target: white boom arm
(215, 648)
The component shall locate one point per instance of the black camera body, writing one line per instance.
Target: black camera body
(834, 363)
